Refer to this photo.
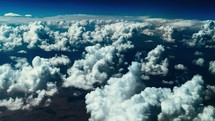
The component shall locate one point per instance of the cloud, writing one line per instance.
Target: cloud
(210, 92)
(12, 15)
(119, 101)
(180, 67)
(20, 62)
(67, 36)
(98, 62)
(203, 36)
(168, 82)
(12, 104)
(28, 15)
(197, 53)
(43, 55)
(92, 69)
(183, 103)
(184, 23)
(16, 15)
(169, 32)
(31, 100)
(154, 65)
(199, 62)
(59, 60)
(33, 78)
(35, 82)
(207, 114)
(104, 104)
(22, 51)
(212, 67)
(40, 71)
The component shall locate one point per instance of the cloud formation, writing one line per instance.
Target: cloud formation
(43, 55)
(92, 69)
(37, 79)
(169, 32)
(119, 101)
(154, 65)
(199, 62)
(180, 67)
(12, 15)
(212, 67)
(204, 36)
(28, 15)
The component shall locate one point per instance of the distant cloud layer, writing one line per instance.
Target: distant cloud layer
(16, 15)
(28, 15)
(12, 14)
(132, 68)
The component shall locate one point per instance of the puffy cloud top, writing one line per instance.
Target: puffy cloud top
(38, 78)
(118, 100)
(154, 65)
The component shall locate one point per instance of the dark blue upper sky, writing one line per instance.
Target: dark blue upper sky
(194, 9)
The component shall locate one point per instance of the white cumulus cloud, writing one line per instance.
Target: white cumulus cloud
(180, 67)
(37, 79)
(154, 65)
(119, 101)
(92, 69)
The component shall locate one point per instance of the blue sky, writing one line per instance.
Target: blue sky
(195, 9)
